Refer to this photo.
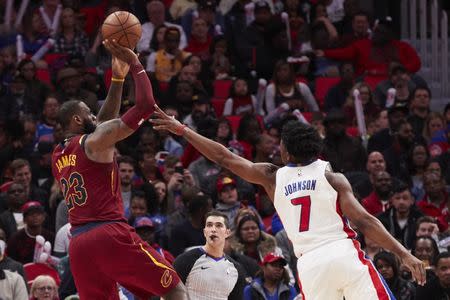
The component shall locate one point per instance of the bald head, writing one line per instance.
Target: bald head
(375, 163)
(156, 12)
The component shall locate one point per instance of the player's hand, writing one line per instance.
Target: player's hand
(416, 267)
(123, 53)
(165, 122)
(119, 68)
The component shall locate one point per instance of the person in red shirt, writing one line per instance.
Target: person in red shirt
(200, 39)
(378, 201)
(373, 56)
(104, 249)
(434, 203)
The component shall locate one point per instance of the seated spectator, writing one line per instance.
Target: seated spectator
(219, 62)
(228, 199)
(48, 120)
(273, 282)
(400, 80)
(387, 264)
(345, 153)
(183, 98)
(157, 41)
(7, 263)
(21, 244)
(248, 133)
(434, 123)
(264, 149)
(206, 9)
(419, 108)
(11, 220)
(189, 72)
(12, 286)
(417, 161)
(379, 200)
(438, 287)
(35, 33)
(241, 101)
(224, 132)
(386, 47)
(70, 39)
(35, 89)
(201, 110)
(166, 63)
(62, 240)
(363, 185)
(426, 249)
(371, 248)
(434, 203)
(360, 29)
(400, 220)
(285, 89)
(249, 265)
(157, 16)
(338, 94)
(200, 39)
(369, 107)
(44, 287)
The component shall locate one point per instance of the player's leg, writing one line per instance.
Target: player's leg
(138, 267)
(91, 283)
(365, 283)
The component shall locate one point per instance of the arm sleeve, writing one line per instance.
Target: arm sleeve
(308, 96)
(183, 264)
(228, 108)
(20, 289)
(270, 98)
(247, 292)
(237, 292)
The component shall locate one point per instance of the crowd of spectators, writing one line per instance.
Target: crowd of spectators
(234, 72)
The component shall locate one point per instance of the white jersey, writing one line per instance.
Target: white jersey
(308, 207)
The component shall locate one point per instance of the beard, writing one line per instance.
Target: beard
(89, 126)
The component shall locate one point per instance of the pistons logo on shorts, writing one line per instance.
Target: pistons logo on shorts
(166, 278)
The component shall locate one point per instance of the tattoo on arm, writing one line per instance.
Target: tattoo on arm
(110, 109)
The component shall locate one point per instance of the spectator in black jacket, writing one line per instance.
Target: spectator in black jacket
(11, 220)
(437, 288)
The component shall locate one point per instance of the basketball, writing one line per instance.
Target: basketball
(124, 27)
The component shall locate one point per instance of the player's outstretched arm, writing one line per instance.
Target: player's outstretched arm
(110, 109)
(372, 227)
(259, 173)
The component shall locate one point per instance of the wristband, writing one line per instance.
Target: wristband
(117, 79)
(181, 130)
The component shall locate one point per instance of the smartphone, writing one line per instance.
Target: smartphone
(179, 169)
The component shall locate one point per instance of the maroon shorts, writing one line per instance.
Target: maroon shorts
(113, 253)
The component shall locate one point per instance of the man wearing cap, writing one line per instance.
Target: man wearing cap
(68, 82)
(207, 271)
(21, 244)
(228, 198)
(206, 10)
(274, 282)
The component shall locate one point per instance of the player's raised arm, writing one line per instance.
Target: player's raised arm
(259, 173)
(371, 227)
(110, 132)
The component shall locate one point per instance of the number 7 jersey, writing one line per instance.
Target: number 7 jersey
(91, 189)
(308, 207)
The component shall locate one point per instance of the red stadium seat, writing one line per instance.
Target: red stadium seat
(308, 116)
(235, 120)
(218, 105)
(373, 81)
(44, 76)
(323, 84)
(222, 88)
(33, 270)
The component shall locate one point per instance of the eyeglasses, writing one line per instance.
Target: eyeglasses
(15, 191)
(45, 288)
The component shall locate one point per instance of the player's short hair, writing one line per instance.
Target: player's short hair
(302, 141)
(67, 111)
(216, 213)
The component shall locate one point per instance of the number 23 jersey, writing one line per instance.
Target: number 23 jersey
(91, 189)
(308, 207)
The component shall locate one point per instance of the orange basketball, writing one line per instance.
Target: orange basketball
(124, 27)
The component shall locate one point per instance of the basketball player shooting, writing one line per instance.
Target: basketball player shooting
(313, 203)
(104, 249)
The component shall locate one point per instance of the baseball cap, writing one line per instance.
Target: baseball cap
(223, 182)
(207, 4)
(396, 67)
(200, 99)
(273, 257)
(261, 4)
(30, 207)
(399, 106)
(142, 222)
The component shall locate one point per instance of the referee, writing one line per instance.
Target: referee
(207, 272)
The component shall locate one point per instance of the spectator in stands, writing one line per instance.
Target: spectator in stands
(201, 110)
(400, 220)
(206, 10)
(207, 271)
(363, 185)
(70, 39)
(68, 82)
(434, 203)
(434, 123)
(369, 107)
(157, 16)
(166, 63)
(224, 132)
(396, 155)
(273, 282)
(241, 101)
(383, 139)
(345, 153)
(360, 29)
(35, 89)
(189, 233)
(400, 80)
(426, 249)
(249, 265)
(200, 39)
(387, 50)
(419, 108)
(427, 226)
(35, 33)
(438, 287)
(157, 41)
(247, 134)
(187, 73)
(12, 285)
(48, 120)
(11, 220)
(417, 161)
(371, 248)
(228, 199)
(378, 201)
(126, 173)
(338, 94)
(387, 264)
(44, 287)
(250, 240)
(184, 93)
(264, 149)
(285, 89)
(21, 244)
(219, 63)
(62, 241)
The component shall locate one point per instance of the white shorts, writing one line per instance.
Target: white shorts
(339, 270)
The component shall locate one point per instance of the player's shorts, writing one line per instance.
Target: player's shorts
(340, 269)
(113, 253)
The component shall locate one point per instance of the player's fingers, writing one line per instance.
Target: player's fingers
(158, 121)
(422, 274)
(161, 113)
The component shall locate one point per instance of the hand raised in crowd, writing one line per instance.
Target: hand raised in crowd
(188, 178)
(175, 182)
